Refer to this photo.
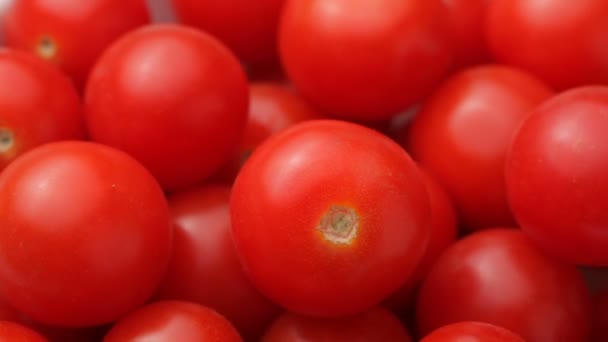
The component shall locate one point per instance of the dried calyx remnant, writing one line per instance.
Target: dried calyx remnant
(46, 47)
(6, 139)
(339, 225)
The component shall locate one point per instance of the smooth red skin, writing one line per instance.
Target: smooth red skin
(562, 42)
(472, 332)
(364, 60)
(499, 276)
(462, 134)
(14, 332)
(173, 321)
(599, 330)
(292, 180)
(81, 30)
(467, 19)
(86, 234)
(37, 103)
(443, 232)
(205, 269)
(273, 108)
(376, 324)
(556, 176)
(172, 97)
(248, 28)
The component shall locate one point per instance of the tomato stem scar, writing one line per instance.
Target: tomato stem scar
(339, 225)
(6, 139)
(46, 47)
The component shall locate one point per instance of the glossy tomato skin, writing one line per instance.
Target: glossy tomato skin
(499, 276)
(322, 210)
(86, 234)
(376, 324)
(173, 97)
(462, 134)
(364, 60)
(273, 107)
(443, 232)
(38, 104)
(13, 332)
(557, 176)
(562, 42)
(205, 269)
(466, 20)
(173, 321)
(472, 332)
(248, 28)
(71, 33)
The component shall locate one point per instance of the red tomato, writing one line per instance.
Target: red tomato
(171, 96)
(466, 19)
(273, 108)
(86, 234)
(247, 27)
(364, 60)
(322, 211)
(443, 231)
(37, 105)
(472, 332)
(173, 321)
(557, 176)
(71, 33)
(562, 42)
(205, 268)
(498, 276)
(462, 134)
(599, 331)
(14, 332)
(374, 325)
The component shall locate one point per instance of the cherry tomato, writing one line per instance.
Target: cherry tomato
(562, 42)
(472, 332)
(85, 234)
(557, 176)
(462, 134)
(374, 325)
(71, 33)
(364, 60)
(247, 27)
(466, 19)
(273, 107)
(173, 321)
(172, 97)
(37, 105)
(321, 212)
(499, 276)
(14, 332)
(205, 268)
(443, 231)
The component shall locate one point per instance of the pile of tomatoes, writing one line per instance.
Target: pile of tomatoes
(304, 170)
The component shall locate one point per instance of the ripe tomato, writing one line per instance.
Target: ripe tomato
(557, 176)
(205, 268)
(562, 42)
(172, 97)
(466, 19)
(376, 324)
(364, 60)
(71, 33)
(322, 210)
(599, 329)
(250, 31)
(14, 332)
(443, 231)
(85, 234)
(472, 332)
(173, 321)
(498, 276)
(37, 105)
(462, 134)
(273, 107)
